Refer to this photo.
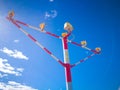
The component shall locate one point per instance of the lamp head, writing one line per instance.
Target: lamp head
(68, 26)
(11, 14)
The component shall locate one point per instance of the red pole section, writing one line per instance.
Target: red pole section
(67, 64)
(83, 60)
(38, 29)
(77, 44)
(54, 35)
(21, 23)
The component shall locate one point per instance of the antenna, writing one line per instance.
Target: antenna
(66, 64)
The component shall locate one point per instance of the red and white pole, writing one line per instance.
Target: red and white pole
(67, 64)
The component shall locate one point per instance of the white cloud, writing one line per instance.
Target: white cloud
(12, 85)
(50, 14)
(20, 69)
(6, 68)
(14, 53)
(16, 41)
(3, 75)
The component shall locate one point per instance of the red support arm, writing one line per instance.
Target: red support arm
(82, 60)
(36, 42)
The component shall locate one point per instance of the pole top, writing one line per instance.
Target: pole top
(42, 26)
(11, 14)
(98, 49)
(68, 26)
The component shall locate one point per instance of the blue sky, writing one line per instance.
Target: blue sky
(22, 63)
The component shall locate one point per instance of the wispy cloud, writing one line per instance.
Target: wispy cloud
(3, 75)
(20, 69)
(119, 88)
(14, 53)
(12, 85)
(50, 14)
(6, 68)
(16, 41)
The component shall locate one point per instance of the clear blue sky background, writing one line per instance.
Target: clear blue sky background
(96, 21)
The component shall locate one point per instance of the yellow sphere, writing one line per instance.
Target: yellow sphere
(64, 34)
(42, 26)
(98, 49)
(83, 43)
(11, 14)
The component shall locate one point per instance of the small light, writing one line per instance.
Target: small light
(42, 26)
(11, 14)
(64, 34)
(83, 43)
(97, 49)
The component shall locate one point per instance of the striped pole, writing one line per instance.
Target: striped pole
(82, 60)
(67, 65)
(54, 35)
(38, 29)
(36, 42)
(65, 41)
